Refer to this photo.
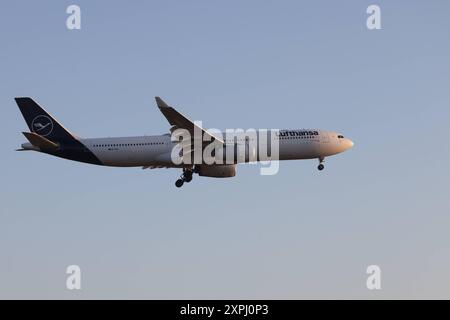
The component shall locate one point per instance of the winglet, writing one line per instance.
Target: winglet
(177, 120)
(160, 102)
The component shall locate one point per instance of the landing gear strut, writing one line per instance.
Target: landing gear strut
(188, 175)
(185, 177)
(321, 166)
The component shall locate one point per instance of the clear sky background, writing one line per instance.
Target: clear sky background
(232, 64)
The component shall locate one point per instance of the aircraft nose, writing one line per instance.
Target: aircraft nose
(348, 143)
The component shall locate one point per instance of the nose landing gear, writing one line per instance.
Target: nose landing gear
(321, 166)
(185, 177)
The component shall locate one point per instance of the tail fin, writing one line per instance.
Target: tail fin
(41, 122)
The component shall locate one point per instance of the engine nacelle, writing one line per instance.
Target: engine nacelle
(216, 171)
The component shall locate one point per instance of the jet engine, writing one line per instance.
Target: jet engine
(216, 171)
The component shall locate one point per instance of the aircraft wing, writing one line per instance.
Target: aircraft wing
(179, 121)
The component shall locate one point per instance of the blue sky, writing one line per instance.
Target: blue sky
(232, 64)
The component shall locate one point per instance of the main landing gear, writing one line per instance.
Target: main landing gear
(321, 166)
(185, 177)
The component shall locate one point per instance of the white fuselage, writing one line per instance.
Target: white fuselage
(156, 150)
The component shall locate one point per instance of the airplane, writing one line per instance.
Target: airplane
(48, 136)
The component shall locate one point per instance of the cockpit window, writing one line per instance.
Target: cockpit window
(340, 136)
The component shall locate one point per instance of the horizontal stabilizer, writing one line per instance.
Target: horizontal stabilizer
(39, 141)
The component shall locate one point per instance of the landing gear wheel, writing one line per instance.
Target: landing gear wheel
(320, 167)
(188, 178)
(179, 183)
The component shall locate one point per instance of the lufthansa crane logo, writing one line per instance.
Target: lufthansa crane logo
(42, 125)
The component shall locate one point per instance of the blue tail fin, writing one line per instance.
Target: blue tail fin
(41, 122)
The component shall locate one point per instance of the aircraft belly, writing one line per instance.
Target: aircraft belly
(126, 158)
(302, 150)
